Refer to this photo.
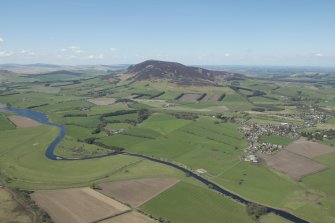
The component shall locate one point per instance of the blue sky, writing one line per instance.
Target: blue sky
(243, 32)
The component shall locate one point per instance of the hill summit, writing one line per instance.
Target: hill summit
(179, 73)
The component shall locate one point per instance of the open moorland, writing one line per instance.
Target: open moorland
(268, 141)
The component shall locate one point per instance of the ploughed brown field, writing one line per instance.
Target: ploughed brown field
(137, 192)
(294, 165)
(77, 205)
(23, 122)
(211, 97)
(102, 101)
(129, 217)
(309, 149)
(296, 160)
(190, 97)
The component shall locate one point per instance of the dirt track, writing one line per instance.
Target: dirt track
(130, 217)
(77, 205)
(137, 192)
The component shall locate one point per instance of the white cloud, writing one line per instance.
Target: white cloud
(112, 49)
(1, 40)
(99, 56)
(6, 53)
(319, 54)
(227, 55)
(73, 49)
(27, 52)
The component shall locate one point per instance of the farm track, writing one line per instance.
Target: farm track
(41, 117)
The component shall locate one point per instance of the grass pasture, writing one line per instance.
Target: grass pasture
(35, 171)
(5, 124)
(278, 140)
(190, 203)
(71, 148)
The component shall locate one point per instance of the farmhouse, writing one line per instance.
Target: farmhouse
(251, 158)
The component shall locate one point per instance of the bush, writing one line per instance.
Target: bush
(256, 210)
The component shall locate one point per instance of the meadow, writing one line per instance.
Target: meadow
(182, 132)
(185, 202)
(278, 140)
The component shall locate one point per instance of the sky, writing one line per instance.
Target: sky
(208, 32)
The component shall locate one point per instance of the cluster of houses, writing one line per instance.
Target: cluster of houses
(254, 131)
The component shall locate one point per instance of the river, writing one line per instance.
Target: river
(43, 118)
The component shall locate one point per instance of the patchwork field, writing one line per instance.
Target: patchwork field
(23, 122)
(77, 205)
(292, 164)
(136, 192)
(184, 131)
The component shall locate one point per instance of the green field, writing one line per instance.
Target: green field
(185, 202)
(278, 140)
(35, 171)
(186, 133)
(5, 124)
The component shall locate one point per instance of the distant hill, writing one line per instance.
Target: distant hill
(179, 73)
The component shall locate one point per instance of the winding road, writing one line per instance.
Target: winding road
(41, 117)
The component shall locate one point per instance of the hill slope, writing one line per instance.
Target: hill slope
(179, 73)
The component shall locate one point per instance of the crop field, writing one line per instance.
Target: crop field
(292, 164)
(138, 191)
(309, 149)
(212, 97)
(77, 205)
(187, 97)
(189, 203)
(102, 101)
(23, 122)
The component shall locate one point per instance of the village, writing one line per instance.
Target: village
(254, 131)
